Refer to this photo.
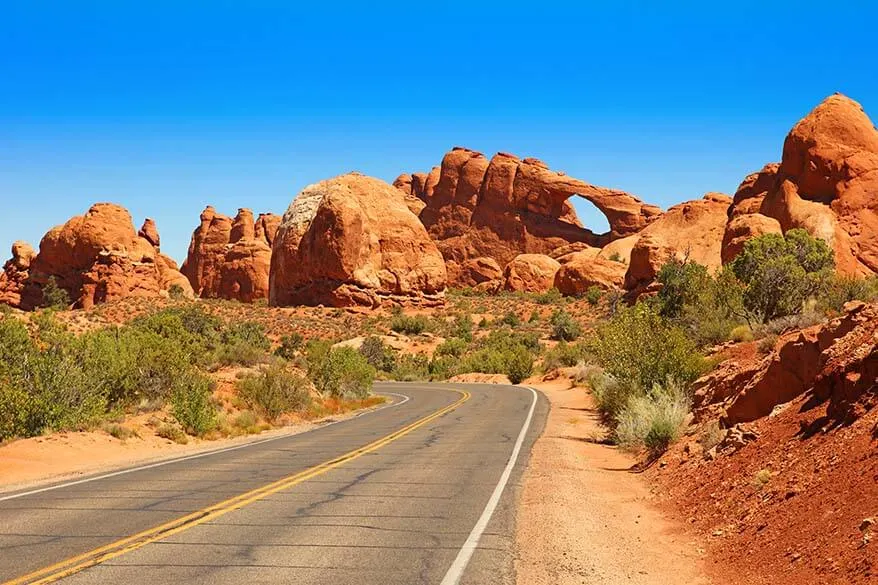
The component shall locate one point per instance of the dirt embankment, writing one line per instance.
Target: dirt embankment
(584, 518)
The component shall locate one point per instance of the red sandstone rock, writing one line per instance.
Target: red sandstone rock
(530, 273)
(97, 257)
(476, 271)
(352, 241)
(150, 233)
(826, 184)
(231, 258)
(580, 271)
(15, 273)
(692, 230)
(743, 227)
(507, 206)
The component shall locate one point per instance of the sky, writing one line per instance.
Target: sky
(167, 106)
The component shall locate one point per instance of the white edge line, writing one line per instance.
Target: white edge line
(455, 571)
(202, 454)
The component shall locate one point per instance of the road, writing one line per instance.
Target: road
(419, 492)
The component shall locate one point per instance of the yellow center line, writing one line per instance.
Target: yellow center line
(125, 545)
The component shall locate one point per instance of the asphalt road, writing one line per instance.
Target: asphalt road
(422, 492)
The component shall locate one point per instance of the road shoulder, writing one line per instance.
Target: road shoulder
(583, 518)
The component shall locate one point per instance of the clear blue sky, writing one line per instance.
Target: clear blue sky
(167, 106)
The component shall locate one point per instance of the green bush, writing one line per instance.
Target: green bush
(340, 372)
(611, 395)
(840, 289)
(275, 391)
(779, 272)
(593, 295)
(564, 326)
(511, 319)
(442, 367)
(462, 327)
(410, 325)
(551, 297)
(289, 346)
(563, 355)
(55, 297)
(453, 346)
(377, 354)
(192, 404)
(411, 368)
(639, 347)
(653, 421)
(519, 365)
(176, 292)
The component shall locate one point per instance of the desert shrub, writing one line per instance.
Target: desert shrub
(839, 289)
(767, 343)
(462, 327)
(172, 433)
(637, 346)
(534, 316)
(411, 368)
(442, 367)
(653, 421)
(593, 295)
(810, 315)
(410, 325)
(484, 323)
(519, 365)
(511, 319)
(779, 272)
(611, 394)
(564, 326)
(274, 391)
(55, 297)
(741, 333)
(378, 354)
(616, 257)
(192, 404)
(563, 355)
(176, 292)
(197, 332)
(453, 346)
(706, 307)
(289, 346)
(15, 346)
(551, 297)
(341, 372)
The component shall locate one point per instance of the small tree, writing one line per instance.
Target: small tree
(564, 326)
(780, 272)
(55, 297)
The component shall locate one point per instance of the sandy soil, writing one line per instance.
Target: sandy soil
(30, 462)
(584, 518)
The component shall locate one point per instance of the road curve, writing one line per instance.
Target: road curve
(422, 492)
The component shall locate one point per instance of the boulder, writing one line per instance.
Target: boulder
(743, 227)
(506, 206)
(530, 273)
(96, 257)
(230, 258)
(475, 271)
(826, 183)
(150, 232)
(352, 241)
(580, 271)
(693, 230)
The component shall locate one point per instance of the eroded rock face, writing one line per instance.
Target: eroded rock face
(507, 206)
(826, 183)
(475, 271)
(580, 271)
(230, 258)
(836, 361)
(15, 273)
(96, 257)
(692, 230)
(352, 241)
(530, 273)
(743, 227)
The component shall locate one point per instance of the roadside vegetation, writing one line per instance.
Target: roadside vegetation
(641, 360)
(52, 379)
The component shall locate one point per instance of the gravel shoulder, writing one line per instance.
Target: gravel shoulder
(583, 518)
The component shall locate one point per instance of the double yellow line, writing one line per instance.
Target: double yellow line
(104, 553)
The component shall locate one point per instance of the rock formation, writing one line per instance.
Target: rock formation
(826, 183)
(530, 273)
(352, 241)
(96, 257)
(230, 258)
(15, 273)
(582, 270)
(692, 230)
(506, 206)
